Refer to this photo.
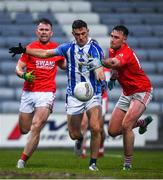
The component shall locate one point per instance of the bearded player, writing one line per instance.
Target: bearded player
(37, 101)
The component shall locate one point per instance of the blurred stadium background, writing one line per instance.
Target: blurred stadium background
(144, 20)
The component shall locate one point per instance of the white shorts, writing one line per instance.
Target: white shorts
(32, 100)
(74, 106)
(124, 101)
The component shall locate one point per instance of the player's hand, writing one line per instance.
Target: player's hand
(17, 50)
(111, 84)
(93, 64)
(28, 76)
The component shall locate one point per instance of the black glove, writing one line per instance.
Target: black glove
(111, 84)
(17, 50)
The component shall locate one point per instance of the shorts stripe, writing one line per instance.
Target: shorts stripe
(146, 97)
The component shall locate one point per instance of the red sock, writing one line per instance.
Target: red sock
(24, 157)
(84, 150)
(140, 122)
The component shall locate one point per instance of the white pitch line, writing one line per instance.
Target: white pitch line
(113, 155)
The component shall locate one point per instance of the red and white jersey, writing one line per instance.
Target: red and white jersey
(130, 74)
(44, 69)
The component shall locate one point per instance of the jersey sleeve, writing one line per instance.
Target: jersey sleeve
(96, 52)
(62, 49)
(23, 58)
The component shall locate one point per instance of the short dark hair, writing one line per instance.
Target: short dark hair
(122, 28)
(44, 21)
(79, 24)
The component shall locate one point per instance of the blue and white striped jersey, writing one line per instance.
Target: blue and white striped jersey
(77, 71)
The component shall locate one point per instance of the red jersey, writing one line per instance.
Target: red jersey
(130, 74)
(44, 69)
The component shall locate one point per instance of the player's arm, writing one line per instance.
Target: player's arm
(20, 68)
(40, 53)
(62, 64)
(100, 76)
(111, 63)
(99, 73)
(28, 76)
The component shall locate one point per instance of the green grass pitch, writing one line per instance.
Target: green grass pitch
(62, 164)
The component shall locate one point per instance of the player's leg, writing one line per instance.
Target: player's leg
(38, 122)
(135, 110)
(95, 123)
(40, 117)
(115, 122)
(101, 149)
(75, 111)
(74, 128)
(25, 120)
(40, 105)
(143, 124)
(104, 111)
(84, 126)
(137, 106)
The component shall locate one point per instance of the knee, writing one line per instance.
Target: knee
(96, 130)
(126, 127)
(112, 133)
(36, 127)
(24, 130)
(74, 135)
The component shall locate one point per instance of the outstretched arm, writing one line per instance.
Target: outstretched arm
(33, 52)
(40, 53)
(111, 63)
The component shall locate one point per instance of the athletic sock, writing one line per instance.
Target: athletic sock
(81, 138)
(84, 151)
(24, 157)
(140, 122)
(92, 160)
(101, 150)
(127, 160)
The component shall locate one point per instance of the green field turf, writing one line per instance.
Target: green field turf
(61, 163)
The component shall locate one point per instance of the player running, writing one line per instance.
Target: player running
(37, 100)
(80, 51)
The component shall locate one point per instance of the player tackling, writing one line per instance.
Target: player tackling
(136, 95)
